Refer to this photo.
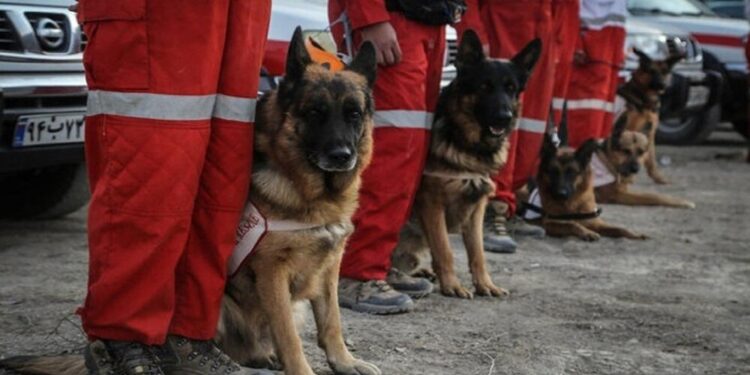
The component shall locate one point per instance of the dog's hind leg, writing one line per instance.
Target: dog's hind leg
(608, 230)
(412, 255)
(472, 235)
(434, 226)
(563, 228)
(328, 322)
(632, 198)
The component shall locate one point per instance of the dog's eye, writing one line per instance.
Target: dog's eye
(353, 116)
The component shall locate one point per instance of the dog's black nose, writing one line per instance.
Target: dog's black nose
(505, 115)
(634, 167)
(339, 154)
(562, 193)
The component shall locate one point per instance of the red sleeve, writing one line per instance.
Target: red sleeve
(472, 19)
(366, 12)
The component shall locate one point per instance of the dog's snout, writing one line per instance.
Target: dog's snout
(505, 115)
(340, 154)
(633, 167)
(562, 193)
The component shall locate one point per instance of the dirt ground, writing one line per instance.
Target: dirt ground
(678, 303)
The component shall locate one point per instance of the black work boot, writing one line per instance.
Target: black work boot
(183, 356)
(120, 358)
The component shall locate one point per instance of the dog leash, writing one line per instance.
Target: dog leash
(456, 175)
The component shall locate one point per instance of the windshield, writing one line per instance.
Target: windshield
(670, 7)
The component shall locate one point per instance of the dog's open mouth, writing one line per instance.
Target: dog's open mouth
(497, 130)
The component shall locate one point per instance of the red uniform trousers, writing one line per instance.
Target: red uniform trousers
(168, 146)
(593, 85)
(567, 23)
(509, 25)
(405, 96)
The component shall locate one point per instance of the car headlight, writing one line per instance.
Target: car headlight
(654, 45)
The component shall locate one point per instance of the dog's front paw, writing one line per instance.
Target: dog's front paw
(590, 236)
(355, 367)
(455, 289)
(661, 180)
(489, 289)
(688, 205)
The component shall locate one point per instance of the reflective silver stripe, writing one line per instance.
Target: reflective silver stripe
(151, 106)
(234, 108)
(595, 104)
(600, 22)
(403, 119)
(558, 103)
(531, 125)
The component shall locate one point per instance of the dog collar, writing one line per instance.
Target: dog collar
(253, 227)
(456, 175)
(571, 217)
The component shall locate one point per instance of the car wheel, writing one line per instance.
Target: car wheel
(742, 127)
(43, 193)
(690, 129)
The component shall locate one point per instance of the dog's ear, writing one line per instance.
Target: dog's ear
(549, 149)
(470, 51)
(643, 58)
(585, 151)
(297, 58)
(526, 59)
(365, 62)
(618, 128)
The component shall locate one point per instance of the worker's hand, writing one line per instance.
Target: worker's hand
(384, 37)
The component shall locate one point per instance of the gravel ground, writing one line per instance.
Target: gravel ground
(678, 303)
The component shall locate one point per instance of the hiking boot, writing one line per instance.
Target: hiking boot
(414, 287)
(495, 236)
(120, 358)
(183, 356)
(517, 226)
(372, 297)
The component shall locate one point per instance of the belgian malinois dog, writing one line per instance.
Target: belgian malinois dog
(313, 140)
(642, 95)
(566, 189)
(624, 153)
(476, 114)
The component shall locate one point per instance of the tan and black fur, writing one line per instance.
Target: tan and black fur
(313, 140)
(475, 116)
(566, 189)
(642, 94)
(624, 153)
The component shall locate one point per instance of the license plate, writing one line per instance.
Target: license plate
(697, 96)
(38, 130)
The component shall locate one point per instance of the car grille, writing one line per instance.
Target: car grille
(452, 45)
(54, 44)
(8, 38)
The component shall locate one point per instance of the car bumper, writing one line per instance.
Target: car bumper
(21, 95)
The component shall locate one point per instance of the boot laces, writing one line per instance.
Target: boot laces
(134, 359)
(206, 351)
(495, 223)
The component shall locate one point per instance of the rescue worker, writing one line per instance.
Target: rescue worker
(505, 27)
(410, 57)
(168, 144)
(600, 53)
(567, 23)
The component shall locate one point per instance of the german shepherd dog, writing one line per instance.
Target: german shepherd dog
(313, 139)
(624, 153)
(566, 189)
(642, 95)
(475, 116)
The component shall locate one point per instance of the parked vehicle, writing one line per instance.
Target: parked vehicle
(722, 40)
(42, 105)
(727, 8)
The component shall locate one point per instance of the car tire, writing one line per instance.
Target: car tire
(43, 193)
(690, 130)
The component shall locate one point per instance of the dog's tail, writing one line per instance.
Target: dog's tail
(71, 364)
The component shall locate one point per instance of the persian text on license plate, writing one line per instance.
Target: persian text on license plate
(37, 130)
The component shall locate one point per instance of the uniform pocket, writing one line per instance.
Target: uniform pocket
(116, 57)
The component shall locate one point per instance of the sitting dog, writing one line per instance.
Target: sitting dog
(475, 116)
(566, 189)
(622, 156)
(313, 140)
(642, 97)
